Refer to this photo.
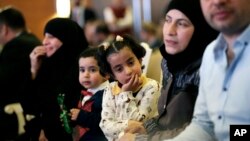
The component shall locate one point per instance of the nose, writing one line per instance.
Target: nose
(45, 41)
(128, 70)
(86, 73)
(169, 29)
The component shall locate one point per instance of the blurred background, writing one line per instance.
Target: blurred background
(38, 12)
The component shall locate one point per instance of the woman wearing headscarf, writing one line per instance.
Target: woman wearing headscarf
(185, 35)
(54, 71)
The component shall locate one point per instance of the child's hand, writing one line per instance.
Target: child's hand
(74, 113)
(133, 84)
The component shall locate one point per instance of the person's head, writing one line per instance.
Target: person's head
(228, 16)
(102, 32)
(90, 75)
(122, 58)
(149, 30)
(65, 35)
(185, 32)
(11, 22)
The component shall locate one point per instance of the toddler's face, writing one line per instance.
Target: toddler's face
(89, 73)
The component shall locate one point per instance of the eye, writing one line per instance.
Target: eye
(168, 19)
(131, 62)
(183, 23)
(118, 69)
(81, 70)
(93, 70)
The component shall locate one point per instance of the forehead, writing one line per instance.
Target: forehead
(88, 61)
(177, 14)
(119, 57)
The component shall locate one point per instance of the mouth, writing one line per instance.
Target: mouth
(170, 42)
(86, 83)
(221, 15)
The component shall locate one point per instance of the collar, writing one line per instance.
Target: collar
(241, 41)
(100, 87)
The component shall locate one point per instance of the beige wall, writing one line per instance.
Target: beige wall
(36, 12)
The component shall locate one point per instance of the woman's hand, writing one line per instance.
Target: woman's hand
(36, 57)
(135, 127)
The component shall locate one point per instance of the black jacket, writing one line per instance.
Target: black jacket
(92, 119)
(14, 73)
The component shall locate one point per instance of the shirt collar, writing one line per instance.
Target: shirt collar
(100, 87)
(221, 44)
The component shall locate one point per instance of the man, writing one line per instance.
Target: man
(224, 92)
(17, 44)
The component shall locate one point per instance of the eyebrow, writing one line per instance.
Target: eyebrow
(129, 59)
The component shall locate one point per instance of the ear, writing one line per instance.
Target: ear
(140, 60)
(4, 30)
(107, 77)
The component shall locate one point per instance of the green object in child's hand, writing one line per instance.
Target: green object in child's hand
(64, 113)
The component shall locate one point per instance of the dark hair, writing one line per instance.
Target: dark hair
(92, 52)
(12, 17)
(102, 28)
(114, 47)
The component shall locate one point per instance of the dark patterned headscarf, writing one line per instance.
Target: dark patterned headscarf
(202, 36)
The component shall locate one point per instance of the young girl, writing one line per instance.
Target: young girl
(88, 114)
(133, 97)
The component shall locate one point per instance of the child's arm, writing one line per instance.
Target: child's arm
(144, 106)
(111, 124)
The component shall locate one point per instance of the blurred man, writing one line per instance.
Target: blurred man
(16, 44)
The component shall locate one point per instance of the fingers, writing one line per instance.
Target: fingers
(133, 84)
(38, 51)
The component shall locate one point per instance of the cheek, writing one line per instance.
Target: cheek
(185, 40)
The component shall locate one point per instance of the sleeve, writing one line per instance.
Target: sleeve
(127, 20)
(193, 132)
(109, 17)
(110, 124)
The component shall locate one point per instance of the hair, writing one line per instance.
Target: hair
(92, 52)
(106, 49)
(102, 28)
(12, 18)
(149, 27)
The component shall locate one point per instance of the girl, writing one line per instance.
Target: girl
(132, 97)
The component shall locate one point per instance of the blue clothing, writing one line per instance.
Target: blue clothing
(224, 92)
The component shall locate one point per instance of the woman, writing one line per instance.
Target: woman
(186, 35)
(54, 69)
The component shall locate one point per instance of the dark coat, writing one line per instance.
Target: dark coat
(92, 119)
(176, 103)
(14, 72)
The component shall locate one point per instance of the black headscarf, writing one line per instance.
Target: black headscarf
(202, 36)
(70, 34)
